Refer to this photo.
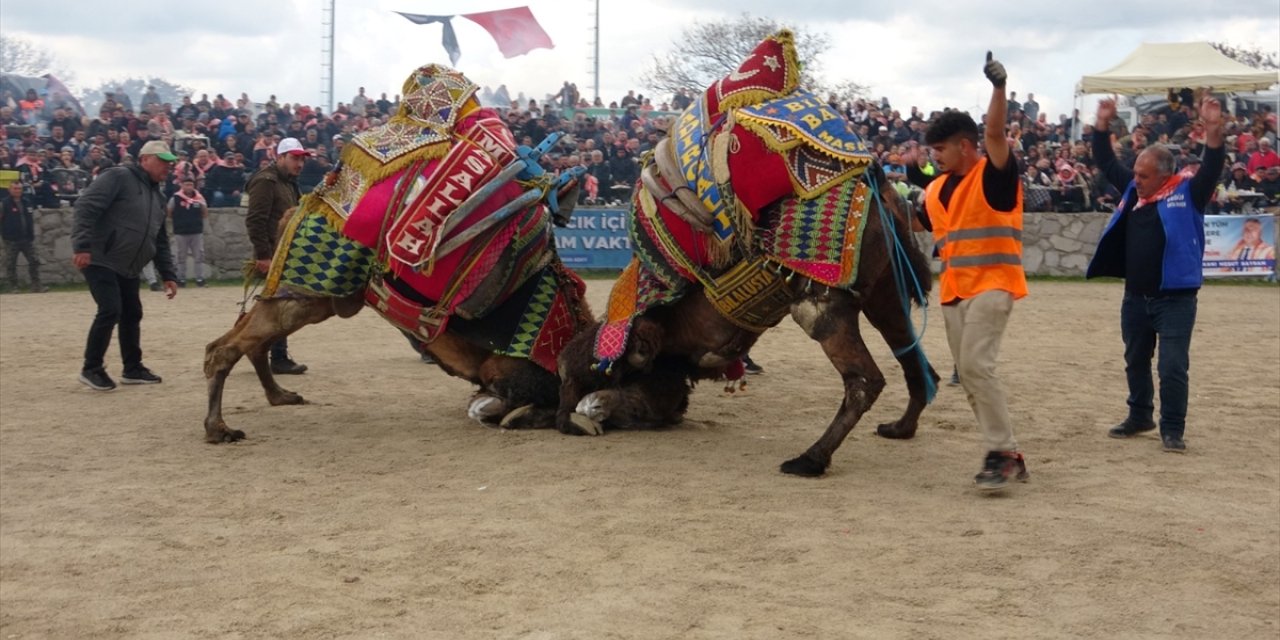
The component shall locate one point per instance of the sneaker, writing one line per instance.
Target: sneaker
(427, 359)
(1174, 444)
(182, 284)
(156, 286)
(200, 282)
(139, 375)
(999, 467)
(1130, 428)
(955, 378)
(97, 379)
(752, 368)
(286, 366)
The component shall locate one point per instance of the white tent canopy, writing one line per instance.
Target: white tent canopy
(1158, 67)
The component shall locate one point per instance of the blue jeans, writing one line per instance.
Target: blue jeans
(1167, 322)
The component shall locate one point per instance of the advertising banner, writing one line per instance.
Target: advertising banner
(595, 239)
(1240, 245)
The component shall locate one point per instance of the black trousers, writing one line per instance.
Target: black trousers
(118, 304)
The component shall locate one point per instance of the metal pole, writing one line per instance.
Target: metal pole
(596, 70)
(326, 51)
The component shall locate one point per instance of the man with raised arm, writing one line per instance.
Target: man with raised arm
(975, 207)
(1155, 241)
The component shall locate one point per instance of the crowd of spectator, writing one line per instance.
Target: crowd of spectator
(57, 151)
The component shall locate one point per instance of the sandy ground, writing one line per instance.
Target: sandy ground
(380, 510)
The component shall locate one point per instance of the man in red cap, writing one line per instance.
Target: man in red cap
(272, 191)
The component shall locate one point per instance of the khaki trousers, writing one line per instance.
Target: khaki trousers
(975, 327)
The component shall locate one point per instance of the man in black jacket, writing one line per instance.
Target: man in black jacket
(17, 227)
(119, 228)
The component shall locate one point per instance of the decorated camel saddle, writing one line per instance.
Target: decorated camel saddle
(758, 180)
(441, 221)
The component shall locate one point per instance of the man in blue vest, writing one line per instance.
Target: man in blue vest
(1155, 241)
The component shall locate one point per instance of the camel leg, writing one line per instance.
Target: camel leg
(832, 320)
(268, 321)
(884, 310)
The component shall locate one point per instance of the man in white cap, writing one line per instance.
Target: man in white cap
(272, 191)
(119, 228)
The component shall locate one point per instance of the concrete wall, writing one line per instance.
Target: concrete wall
(226, 246)
(1054, 244)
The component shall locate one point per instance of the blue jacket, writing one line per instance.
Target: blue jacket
(1181, 266)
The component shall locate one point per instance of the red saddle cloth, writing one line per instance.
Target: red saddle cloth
(411, 237)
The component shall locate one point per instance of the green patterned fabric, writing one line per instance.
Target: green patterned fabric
(324, 262)
(535, 314)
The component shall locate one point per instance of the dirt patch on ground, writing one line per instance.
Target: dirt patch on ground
(380, 510)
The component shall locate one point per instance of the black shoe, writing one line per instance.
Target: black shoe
(1174, 444)
(182, 284)
(287, 367)
(1129, 428)
(97, 379)
(426, 358)
(999, 467)
(39, 288)
(955, 378)
(200, 282)
(156, 286)
(139, 375)
(753, 368)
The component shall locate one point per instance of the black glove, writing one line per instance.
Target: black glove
(995, 72)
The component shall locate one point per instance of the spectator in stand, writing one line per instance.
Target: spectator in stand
(1269, 185)
(30, 107)
(623, 173)
(335, 149)
(359, 102)
(1038, 187)
(188, 211)
(1264, 159)
(1031, 108)
(66, 119)
(96, 162)
(225, 182)
(201, 164)
(383, 104)
(313, 170)
(79, 145)
(18, 230)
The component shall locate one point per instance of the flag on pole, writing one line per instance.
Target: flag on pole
(515, 30)
(449, 40)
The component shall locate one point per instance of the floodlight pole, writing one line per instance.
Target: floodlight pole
(595, 58)
(328, 17)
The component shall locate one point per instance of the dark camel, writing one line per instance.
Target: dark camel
(674, 346)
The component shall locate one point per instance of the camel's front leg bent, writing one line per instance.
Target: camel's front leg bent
(269, 320)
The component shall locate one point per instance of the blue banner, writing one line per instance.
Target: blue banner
(595, 239)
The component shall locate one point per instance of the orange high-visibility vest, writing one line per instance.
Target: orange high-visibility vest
(980, 248)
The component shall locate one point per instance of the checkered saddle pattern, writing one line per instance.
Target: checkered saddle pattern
(323, 262)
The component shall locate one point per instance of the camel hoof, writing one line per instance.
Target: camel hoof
(285, 398)
(516, 419)
(223, 435)
(896, 431)
(595, 406)
(585, 426)
(803, 466)
(485, 408)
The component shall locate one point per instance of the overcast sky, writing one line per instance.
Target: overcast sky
(916, 52)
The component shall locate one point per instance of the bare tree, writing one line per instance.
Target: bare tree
(707, 51)
(1252, 56)
(25, 58)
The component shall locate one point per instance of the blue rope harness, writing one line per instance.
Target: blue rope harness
(904, 276)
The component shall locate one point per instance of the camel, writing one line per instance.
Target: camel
(441, 224)
(683, 312)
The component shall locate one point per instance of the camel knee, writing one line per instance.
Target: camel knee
(861, 392)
